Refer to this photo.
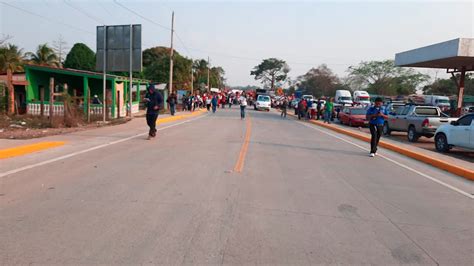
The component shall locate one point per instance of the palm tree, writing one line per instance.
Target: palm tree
(44, 56)
(11, 58)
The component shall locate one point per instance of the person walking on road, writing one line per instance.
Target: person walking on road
(153, 102)
(208, 103)
(309, 106)
(328, 110)
(301, 109)
(376, 116)
(319, 108)
(243, 105)
(284, 106)
(184, 100)
(172, 100)
(214, 103)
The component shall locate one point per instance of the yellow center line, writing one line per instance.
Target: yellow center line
(25, 149)
(239, 165)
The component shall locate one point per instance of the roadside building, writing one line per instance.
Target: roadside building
(32, 88)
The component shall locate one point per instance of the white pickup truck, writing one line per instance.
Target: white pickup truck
(416, 121)
(459, 133)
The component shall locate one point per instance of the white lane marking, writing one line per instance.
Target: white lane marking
(14, 171)
(395, 162)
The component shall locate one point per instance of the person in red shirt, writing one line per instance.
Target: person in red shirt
(302, 108)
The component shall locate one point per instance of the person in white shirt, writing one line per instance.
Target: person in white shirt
(243, 105)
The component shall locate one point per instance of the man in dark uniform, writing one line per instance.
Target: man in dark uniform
(153, 102)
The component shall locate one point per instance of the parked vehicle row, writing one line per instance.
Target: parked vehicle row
(416, 120)
(426, 120)
(353, 117)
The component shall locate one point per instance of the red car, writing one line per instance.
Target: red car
(353, 117)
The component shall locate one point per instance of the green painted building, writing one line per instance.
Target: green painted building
(83, 85)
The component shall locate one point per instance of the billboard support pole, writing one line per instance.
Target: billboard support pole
(130, 87)
(208, 84)
(170, 84)
(192, 79)
(104, 76)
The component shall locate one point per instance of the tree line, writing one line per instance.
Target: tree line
(376, 77)
(156, 62)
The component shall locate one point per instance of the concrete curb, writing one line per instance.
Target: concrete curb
(454, 169)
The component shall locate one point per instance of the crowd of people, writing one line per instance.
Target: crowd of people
(304, 108)
(210, 101)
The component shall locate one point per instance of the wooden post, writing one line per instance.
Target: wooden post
(42, 101)
(11, 93)
(51, 99)
(65, 101)
(88, 105)
(85, 96)
(118, 103)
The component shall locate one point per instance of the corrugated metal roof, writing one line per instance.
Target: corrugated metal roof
(79, 72)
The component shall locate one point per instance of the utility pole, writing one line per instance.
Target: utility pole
(170, 84)
(104, 78)
(192, 79)
(130, 84)
(208, 66)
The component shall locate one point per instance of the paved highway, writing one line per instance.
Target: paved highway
(219, 190)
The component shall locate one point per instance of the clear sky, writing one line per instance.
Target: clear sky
(237, 35)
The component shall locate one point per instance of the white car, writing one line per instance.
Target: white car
(459, 133)
(263, 102)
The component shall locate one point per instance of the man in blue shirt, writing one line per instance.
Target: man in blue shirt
(376, 116)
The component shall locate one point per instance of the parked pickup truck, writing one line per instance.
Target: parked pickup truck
(416, 121)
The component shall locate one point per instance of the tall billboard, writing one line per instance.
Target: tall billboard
(114, 41)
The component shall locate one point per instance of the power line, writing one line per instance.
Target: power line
(47, 18)
(138, 14)
(155, 23)
(84, 12)
(182, 43)
(258, 59)
(105, 9)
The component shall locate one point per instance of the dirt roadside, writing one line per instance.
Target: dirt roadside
(29, 127)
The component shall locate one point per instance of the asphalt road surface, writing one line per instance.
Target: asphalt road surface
(219, 190)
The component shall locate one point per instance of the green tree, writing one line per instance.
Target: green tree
(448, 86)
(320, 81)
(200, 74)
(11, 60)
(156, 62)
(216, 77)
(270, 71)
(384, 78)
(11, 57)
(80, 57)
(44, 56)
